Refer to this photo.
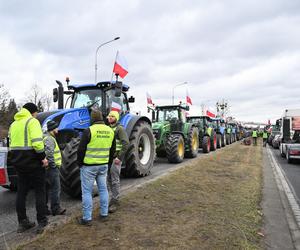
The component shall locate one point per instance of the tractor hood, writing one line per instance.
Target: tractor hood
(68, 119)
(160, 125)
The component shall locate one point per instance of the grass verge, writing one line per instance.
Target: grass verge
(212, 203)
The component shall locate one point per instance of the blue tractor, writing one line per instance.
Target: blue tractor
(72, 121)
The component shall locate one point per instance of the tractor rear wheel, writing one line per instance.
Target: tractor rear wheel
(175, 148)
(193, 143)
(70, 171)
(219, 141)
(213, 142)
(141, 152)
(206, 144)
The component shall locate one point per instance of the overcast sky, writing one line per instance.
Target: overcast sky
(245, 52)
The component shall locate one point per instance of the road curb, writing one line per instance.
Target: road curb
(288, 200)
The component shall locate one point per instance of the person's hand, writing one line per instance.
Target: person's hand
(117, 161)
(45, 162)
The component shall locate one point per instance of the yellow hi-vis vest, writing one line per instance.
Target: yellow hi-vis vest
(254, 133)
(208, 131)
(265, 135)
(118, 142)
(97, 151)
(25, 133)
(56, 154)
(228, 130)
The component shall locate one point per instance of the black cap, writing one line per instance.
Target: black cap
(31, 107)
(51, 125)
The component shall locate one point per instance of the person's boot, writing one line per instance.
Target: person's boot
(59, 211)
(113, 206)
(41, 227)
(25, 225)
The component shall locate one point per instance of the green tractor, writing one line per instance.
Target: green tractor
(207, 133)
(174, 137)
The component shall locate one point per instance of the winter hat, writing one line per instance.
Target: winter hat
(31, 107)
(51, 125)
(114, 114)
(96, 116)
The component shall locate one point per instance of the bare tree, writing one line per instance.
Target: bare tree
(4, 95)
(35, 95)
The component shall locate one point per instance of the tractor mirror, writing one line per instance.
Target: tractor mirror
(118, 89)
(131, 99)
(55, 95)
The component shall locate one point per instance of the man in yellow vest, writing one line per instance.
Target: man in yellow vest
(254, 136)
(52, 172)
(114, 171)
(265, 137)
(96, 148)
(29, 159)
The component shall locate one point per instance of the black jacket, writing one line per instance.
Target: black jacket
(85, 140)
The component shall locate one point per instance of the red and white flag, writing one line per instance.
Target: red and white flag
(188, 98)
(120, 66)
(210, 114)
(116, 107)
(149, 99)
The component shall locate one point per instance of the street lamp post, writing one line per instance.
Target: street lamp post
(116, 38)
(183, 83)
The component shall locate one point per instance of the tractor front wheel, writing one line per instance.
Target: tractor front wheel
(213, 142)
(193, 143)
(175, 148)
(206, 144)
(141, 153)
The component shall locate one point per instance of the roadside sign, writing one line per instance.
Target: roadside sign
(3, 167)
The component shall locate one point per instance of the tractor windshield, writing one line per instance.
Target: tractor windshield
(86, 97)
(167, 115)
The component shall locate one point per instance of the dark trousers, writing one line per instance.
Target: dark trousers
(36, 179)
(53, 188)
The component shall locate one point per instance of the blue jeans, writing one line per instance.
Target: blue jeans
(88, 175)
(53, 188)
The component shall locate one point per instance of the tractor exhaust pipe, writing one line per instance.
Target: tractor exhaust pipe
(60, 95)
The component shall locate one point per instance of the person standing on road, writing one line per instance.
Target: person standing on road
(52, 172)
(114, 171)
(254, 136)
(265, 137)
(29, 159)
(96, 148)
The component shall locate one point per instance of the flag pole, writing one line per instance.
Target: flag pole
(112, 73)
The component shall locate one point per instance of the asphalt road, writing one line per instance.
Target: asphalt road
(8, 218)
(291, 171)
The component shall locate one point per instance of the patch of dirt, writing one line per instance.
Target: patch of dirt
(210, 204)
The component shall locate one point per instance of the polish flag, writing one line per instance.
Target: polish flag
(116, 107)
(149, 99)
(188, 98)
(120, 66)
(210, 114)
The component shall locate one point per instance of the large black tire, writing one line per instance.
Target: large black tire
(219, 141)
(141, 152)
(213, 142)
(223, 140)
(228, 141)
(192, 143)
(206, 144)
(175, 148)
(69, 171)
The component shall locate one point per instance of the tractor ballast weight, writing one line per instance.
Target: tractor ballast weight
(103, 96)
(207, 133)
(175, 138)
